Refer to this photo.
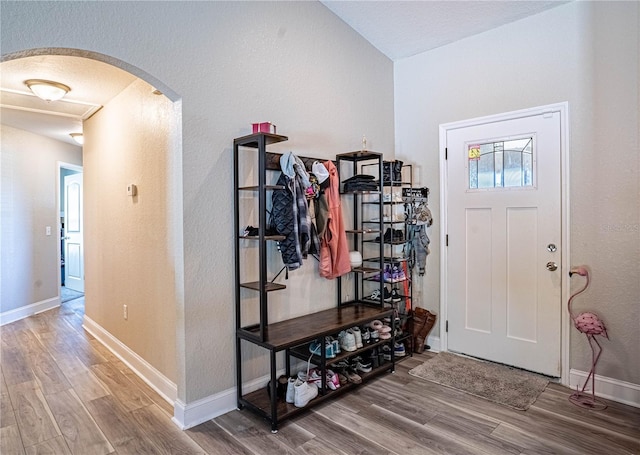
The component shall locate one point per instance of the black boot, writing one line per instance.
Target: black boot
(386, 172)
(397, 171)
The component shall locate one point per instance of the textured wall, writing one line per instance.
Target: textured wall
(30, 266)
(127, 239)
(229, 64)
(585, 53)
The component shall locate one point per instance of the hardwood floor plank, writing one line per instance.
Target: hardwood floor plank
(55, 446)
(35, 420)
(80, 431)
(163, 432)
(7, 416)
(122, 431)
(10, 441)
(338, 436)
(117, 383)
(214, 439)
(87, 386)
(15, 366)
(146, 389)
(530, 442)
(395, 432)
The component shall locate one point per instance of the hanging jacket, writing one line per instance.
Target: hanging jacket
(290, 212)
(334, 249)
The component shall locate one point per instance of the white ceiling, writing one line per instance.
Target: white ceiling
(397, 28)
(401, 29)
(92, 84)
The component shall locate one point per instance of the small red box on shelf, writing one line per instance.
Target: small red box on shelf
(264, 127)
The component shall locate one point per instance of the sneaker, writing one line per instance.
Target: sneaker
(333, 380)
(358, 364)
(366, 335)
(314, 348)
(335, 343)
(388, 296)
(399, 350)
(352, 375)
(386, 352)
(397, 274)
(304, 393)
(373, 358)
(347, 340)
(387, 275)
(358, 336)
(394, 296)
(375, 295)
(375, 335)
(291, 392)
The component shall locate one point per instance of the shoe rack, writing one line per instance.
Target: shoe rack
(291, 337)
(394, 242)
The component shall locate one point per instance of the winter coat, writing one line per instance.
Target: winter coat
(334, 249)
(290, 212)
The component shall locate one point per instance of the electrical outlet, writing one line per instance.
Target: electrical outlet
(125, 310)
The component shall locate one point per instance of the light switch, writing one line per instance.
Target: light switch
(47, 230)
(132, 190)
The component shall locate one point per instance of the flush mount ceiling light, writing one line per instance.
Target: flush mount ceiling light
(78, 137)
(47, 90)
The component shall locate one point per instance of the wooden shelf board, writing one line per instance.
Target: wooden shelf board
(296, 331)
(255, 285)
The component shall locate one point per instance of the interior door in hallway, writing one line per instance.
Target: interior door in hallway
(503, 270)
(73, 241)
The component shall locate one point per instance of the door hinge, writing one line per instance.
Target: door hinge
(446, 240)
(446, 153)
(446, 326)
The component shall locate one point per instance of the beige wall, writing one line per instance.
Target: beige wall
(29, 166)
(128, 256)
(228, 64)
(585, 53)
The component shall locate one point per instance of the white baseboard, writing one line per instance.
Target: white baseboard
(433, 343)
(608, 388)
(189, 415)
(28, 310)
(156, 380)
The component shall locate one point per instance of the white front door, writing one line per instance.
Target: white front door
(73, 245)
(503, 210)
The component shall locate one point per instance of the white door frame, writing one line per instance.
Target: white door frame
(74, 167)
(563, 109)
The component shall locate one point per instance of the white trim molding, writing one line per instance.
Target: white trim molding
(189, 415)
(156, 380)
(608, 388)
(28, 310)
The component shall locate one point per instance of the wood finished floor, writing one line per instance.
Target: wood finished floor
(64, 393)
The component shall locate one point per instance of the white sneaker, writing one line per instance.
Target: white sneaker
(291, 392)
(347, 340)
(358, 336)
(305, 392)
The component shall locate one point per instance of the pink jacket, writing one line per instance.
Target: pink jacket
(334, 249)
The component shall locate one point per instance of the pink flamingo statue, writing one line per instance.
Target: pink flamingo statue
(591, 325)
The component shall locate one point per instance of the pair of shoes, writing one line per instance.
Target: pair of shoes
(397, 274)
(352, 375)
(347, 340)
(358, 336)
(302, 392)
(281, 387)
(383, 330)
(329, 349)
(314, 376)
(398, 350)
(366, 335)
(358, 364)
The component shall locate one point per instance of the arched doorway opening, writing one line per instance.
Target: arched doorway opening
(133, 242)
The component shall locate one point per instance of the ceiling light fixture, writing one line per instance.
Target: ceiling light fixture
(78, 137)
(47, 90)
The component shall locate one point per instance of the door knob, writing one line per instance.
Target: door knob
(551, 266)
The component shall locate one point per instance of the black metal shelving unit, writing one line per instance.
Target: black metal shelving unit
(294, 335)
